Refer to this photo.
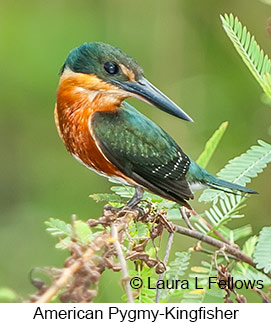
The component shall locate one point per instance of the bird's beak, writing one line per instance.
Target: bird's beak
(145, 91)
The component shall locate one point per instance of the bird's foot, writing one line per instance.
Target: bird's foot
(109, 207)
(126, 209)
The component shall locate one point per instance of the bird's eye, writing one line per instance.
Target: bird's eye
(111, 67)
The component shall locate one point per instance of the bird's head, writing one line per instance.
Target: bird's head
(108, 70)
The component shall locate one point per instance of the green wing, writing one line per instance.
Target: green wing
(143, 151)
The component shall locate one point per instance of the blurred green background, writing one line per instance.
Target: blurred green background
(183, 50)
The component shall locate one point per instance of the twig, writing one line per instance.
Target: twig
(69, 272)
(209, 252)
(264, 296)
(168, 248)
(217, 252)
(125, 275)
(218, 234)
(239, 254)
(185, 218)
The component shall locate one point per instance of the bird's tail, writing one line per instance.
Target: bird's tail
(223, 185)
(197, 174)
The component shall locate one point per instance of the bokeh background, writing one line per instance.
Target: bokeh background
(184, 51)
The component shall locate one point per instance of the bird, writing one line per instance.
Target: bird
(106, 134)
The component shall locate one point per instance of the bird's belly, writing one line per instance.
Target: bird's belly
(112, 177)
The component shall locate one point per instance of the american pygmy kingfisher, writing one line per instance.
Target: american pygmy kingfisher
(109, 136)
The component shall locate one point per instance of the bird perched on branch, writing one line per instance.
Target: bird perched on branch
(109, 136)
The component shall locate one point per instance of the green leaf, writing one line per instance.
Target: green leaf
(267, 85)
(64, 231)
(249, 246)
(146, 299)
(105, 197)
(175, 270)
(127, 192)
(199, 295)
(138, 230)
(141, 229)
(174, 214)
(262, 253)
(58, 227)
(83, 232)
(7, 295)
(220, 213)
(144, 294)
(123, 191)
(235, 234)
(194, 296)
(64, 243)
(249, 274)
(178, 266)
(211, 145)
(199, 269)
(149, 292)
(258, 63)
(241, 169)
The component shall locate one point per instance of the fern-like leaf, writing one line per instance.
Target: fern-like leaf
(105, 197)
(211, 145)
(267, 84)
(243, 269)
(227, 206)
(219, 214)
(175, 272)
(241, 169)
(83, 233)
(58, 227)
(258, 63)
(138, 230)
(262, 254)
(179, 265)
(203, 274)
(235, 234)
(144, 294)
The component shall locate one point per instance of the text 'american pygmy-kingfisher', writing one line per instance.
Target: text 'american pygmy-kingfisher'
(109, 136)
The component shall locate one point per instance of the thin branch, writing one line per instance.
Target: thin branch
(218, 234)
(239, 254)
(186, 219)
(125, 275)
(168, 248)
(209, 252)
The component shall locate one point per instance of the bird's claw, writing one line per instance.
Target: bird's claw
(126, 209)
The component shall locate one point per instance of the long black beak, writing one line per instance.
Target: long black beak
(145, 91)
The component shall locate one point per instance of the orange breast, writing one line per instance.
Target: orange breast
(73, 111)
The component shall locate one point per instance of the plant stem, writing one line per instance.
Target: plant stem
(239, 254)
(185, 218)
(125, 275)
(168, 248)
(218, 234)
